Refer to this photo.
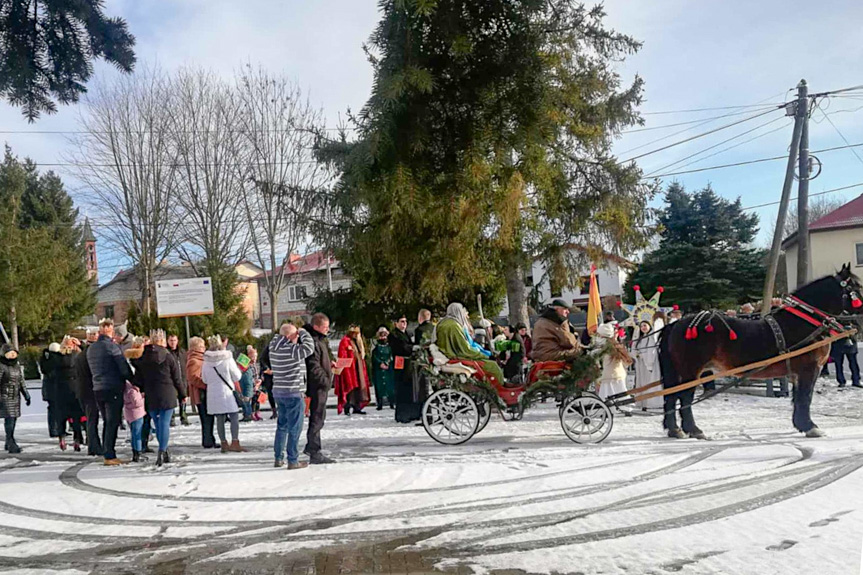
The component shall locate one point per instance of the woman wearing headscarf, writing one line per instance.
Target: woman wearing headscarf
(452, 336)
(11, 389)
(352, 384)
(646, 354)
(382, 375)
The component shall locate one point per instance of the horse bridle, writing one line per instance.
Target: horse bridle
(851, 293)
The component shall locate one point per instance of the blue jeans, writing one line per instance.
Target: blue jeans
(136, 427)
(247, 407)
(162, 423)
(289, 427)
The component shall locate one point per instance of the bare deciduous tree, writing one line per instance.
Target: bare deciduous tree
(126, 160)
(279, 171)
(210, 187)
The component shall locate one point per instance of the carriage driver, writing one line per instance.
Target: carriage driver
(553, 337)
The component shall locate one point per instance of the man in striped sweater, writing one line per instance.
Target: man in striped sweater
(288, 352)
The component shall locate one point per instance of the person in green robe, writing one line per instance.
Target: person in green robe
(382, 375)
(451, 337)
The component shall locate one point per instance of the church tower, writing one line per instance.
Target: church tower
(90, 247)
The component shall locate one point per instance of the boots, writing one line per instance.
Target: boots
(136, 456)
(76, 446)
(166, 457)
(235, 447)
(225, 447)
(13, 446)
(160, 458)
(62, 444)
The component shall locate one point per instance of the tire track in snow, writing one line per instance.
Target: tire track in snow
(835, 471)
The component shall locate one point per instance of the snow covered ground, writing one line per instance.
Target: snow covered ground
(756, 499)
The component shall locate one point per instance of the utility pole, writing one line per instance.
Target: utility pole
(801, 107)
(803, 171)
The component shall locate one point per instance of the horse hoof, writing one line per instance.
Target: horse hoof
(698, 435)
(676, 434)
(815, 432)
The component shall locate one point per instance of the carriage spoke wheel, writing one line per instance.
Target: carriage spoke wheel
(484, 407)
(450, 417)
(586, 419)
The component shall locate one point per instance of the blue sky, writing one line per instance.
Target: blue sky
(695, 55)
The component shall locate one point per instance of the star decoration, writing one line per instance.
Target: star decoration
(643, 309)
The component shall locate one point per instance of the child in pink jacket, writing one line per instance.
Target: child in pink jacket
(134, 412)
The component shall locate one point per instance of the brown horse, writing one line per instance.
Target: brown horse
(713, 342)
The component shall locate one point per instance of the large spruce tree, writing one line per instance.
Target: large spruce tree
(44, 288)
(47, 48)
(705, 257)
(485, 143)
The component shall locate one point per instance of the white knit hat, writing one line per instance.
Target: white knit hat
(605, 330)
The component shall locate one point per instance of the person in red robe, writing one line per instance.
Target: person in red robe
(352, 384)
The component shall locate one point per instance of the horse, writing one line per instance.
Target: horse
(710, 341)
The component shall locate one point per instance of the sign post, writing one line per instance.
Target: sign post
(183, 298)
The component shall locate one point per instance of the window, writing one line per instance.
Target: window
(297, 293)
(109, 311)
(859, 254)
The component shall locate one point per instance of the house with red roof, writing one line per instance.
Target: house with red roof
(834, 240)
(305, 276)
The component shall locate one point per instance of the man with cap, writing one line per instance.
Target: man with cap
(553, 338)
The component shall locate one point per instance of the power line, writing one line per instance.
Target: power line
(719, 144)
(687, 123)
(703, 134)
(710, 109)
(723, 150)
(226, 130)
(810, 195)
(747, 162)
(841, 135)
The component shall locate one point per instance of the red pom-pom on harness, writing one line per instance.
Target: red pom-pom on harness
(688, 333)
(660, 289)
(619, 304)
(732, 335)
(709, 328)
(694, 332)
(636, 287)
(855, 302)
(675, 307)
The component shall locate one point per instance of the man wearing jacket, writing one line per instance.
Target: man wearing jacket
(180, 357)
(84, 392)
(110, 373)
(287, 353)
(319, 373)
(553, 339)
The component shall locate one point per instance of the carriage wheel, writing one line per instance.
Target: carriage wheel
(450, 417)
(484, 407)
(586, 419)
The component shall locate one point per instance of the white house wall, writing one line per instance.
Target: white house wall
(829, 251)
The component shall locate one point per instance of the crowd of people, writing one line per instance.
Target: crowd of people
(148, 381)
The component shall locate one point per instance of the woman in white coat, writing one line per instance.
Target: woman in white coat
(222, 376)
(645, 351)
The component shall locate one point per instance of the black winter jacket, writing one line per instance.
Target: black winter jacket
(319, 367)
(158, 376)
(84, 378)
(108, 366)
(11, 386)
